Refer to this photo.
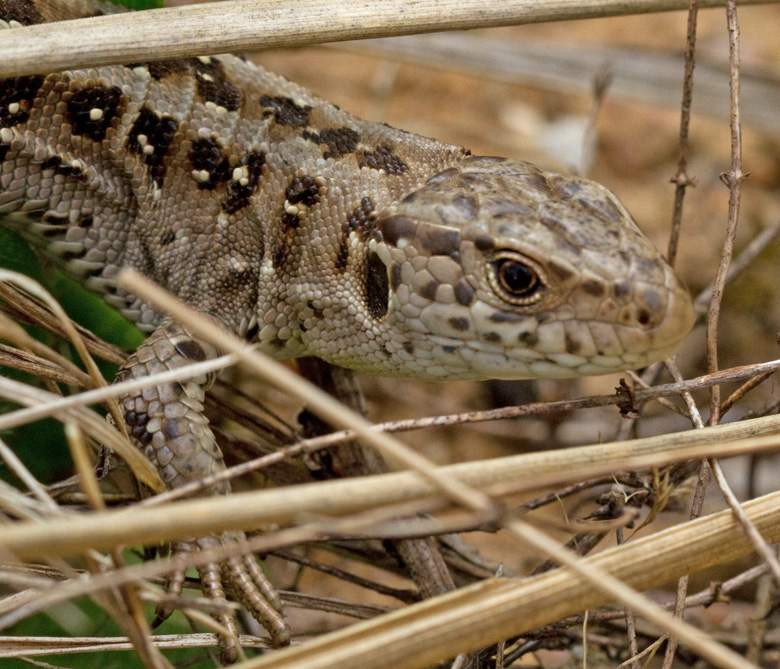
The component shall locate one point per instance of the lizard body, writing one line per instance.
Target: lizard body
(312, 232)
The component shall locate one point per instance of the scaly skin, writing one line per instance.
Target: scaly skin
(312, 232)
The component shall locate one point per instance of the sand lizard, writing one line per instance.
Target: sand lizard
(312, 232)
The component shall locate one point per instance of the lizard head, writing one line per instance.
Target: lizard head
(497, 269)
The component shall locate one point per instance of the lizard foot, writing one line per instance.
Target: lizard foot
(243, 577)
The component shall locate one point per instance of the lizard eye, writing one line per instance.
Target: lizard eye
(514, 279)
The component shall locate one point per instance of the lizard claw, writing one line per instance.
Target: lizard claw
(243, 577)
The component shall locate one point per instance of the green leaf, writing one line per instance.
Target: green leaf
(16, 254)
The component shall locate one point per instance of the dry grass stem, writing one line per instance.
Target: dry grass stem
(501, 608)
(26, 646)
(236, 26)
(504, 475)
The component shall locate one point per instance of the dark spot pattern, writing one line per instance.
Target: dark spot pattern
(383, 158)
(252, 332)
(566, 189)
(505, 317)
(529, 339)
(279, 255)
(428, 291)
(412, 197)
(604, 209)
(207, 154)
(318, 313)
(459, 323)
(149, 256)
(173, 428)
(22, 11)
(167, 238)
(160, 69)
(290, 222)
(376, 286)
(4, 148)
(82, 104)
(464, 293)
(484, 243)
(53, 230)
(71, 170)
(395, 228)
(409, 347)
(342, 256)
(621, 288)
(213, 85)
(572, 345)
(359, 220)
(67, 256)
(285, 111)
(18, 92)
(531, 181)
(437, 240)
(51, 163)
(593, 287)
(159, 132)
(241, 277)
(66, 169)
(444, 175)
(302, 190)
(492, 337)
(395, 276)
(190, 349)
(340, 141)
(136, 422)
(210, 78)
(559, 270)
(465, 205)
(238, 194)
(85, 221)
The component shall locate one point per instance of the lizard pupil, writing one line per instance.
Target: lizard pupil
(517, 278)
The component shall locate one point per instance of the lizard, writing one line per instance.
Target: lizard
(294, 224)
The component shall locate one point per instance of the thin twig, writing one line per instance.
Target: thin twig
(696, 508)
(681, 179)
(633, 648)
(760, 545)
(733, 179)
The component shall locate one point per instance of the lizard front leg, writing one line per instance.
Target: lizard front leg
(166, 421)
